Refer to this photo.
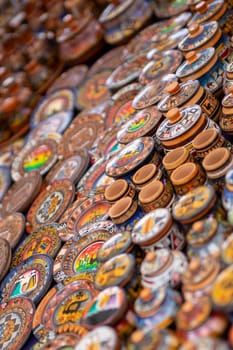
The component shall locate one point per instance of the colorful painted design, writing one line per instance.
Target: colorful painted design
(55, 123)
(138, 122)
(49, 207)
(58, 101)
(95, 178)
(15, 323)
(95, 213)
(26, 283)
(130, 157)
(164, 63)
(124, 113)
(194, 203)
(106, 308)
(127, 72)
(37, 155)
(31, 278)
(50, 204)
(108, 299)
(94, 90)
(73, 258)
(115, 271)
(87, 259)
(189, 117)
(117, 244)
(186, 92)
(44, 241)
(37, 158)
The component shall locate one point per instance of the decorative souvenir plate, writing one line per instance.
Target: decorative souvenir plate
(5, 180)
(107, 142)
(174, 8)
(43, 241)
(94, 90)
(122, 109)
(127, 72)
(110, 60)
(89, 211)
(30, 279)
(106, 308)
(104, 337)
(130, 157)
(56, 123)
(79, 256)
(50, 204)
(144, 123)
(117, 244)
(82, 133)
(71, 168)
(22, 193)
(194, 204)
(161, 28)
(41, 156)
(15, 323)
(207, 31)
(169, 43)
(117, 271)
(98, 226)
(5, 257)
(58, 101)
(71, 78)
(163, 63)
(12, 228)
(153, 92)
(95, 180)
(62, 305)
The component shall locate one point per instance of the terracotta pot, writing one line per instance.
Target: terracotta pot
(187, 177)
(205, 66)
(216, 164)
(207, 141)
(156, 195)
(201, 37)
(205, 239)
(119, 189)
(214, 11)
(175, 158)
(199, 277)
(125, 213)
(226, 119)
(181, 126)
(189, 93)
(197, 319)
(145, 175)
